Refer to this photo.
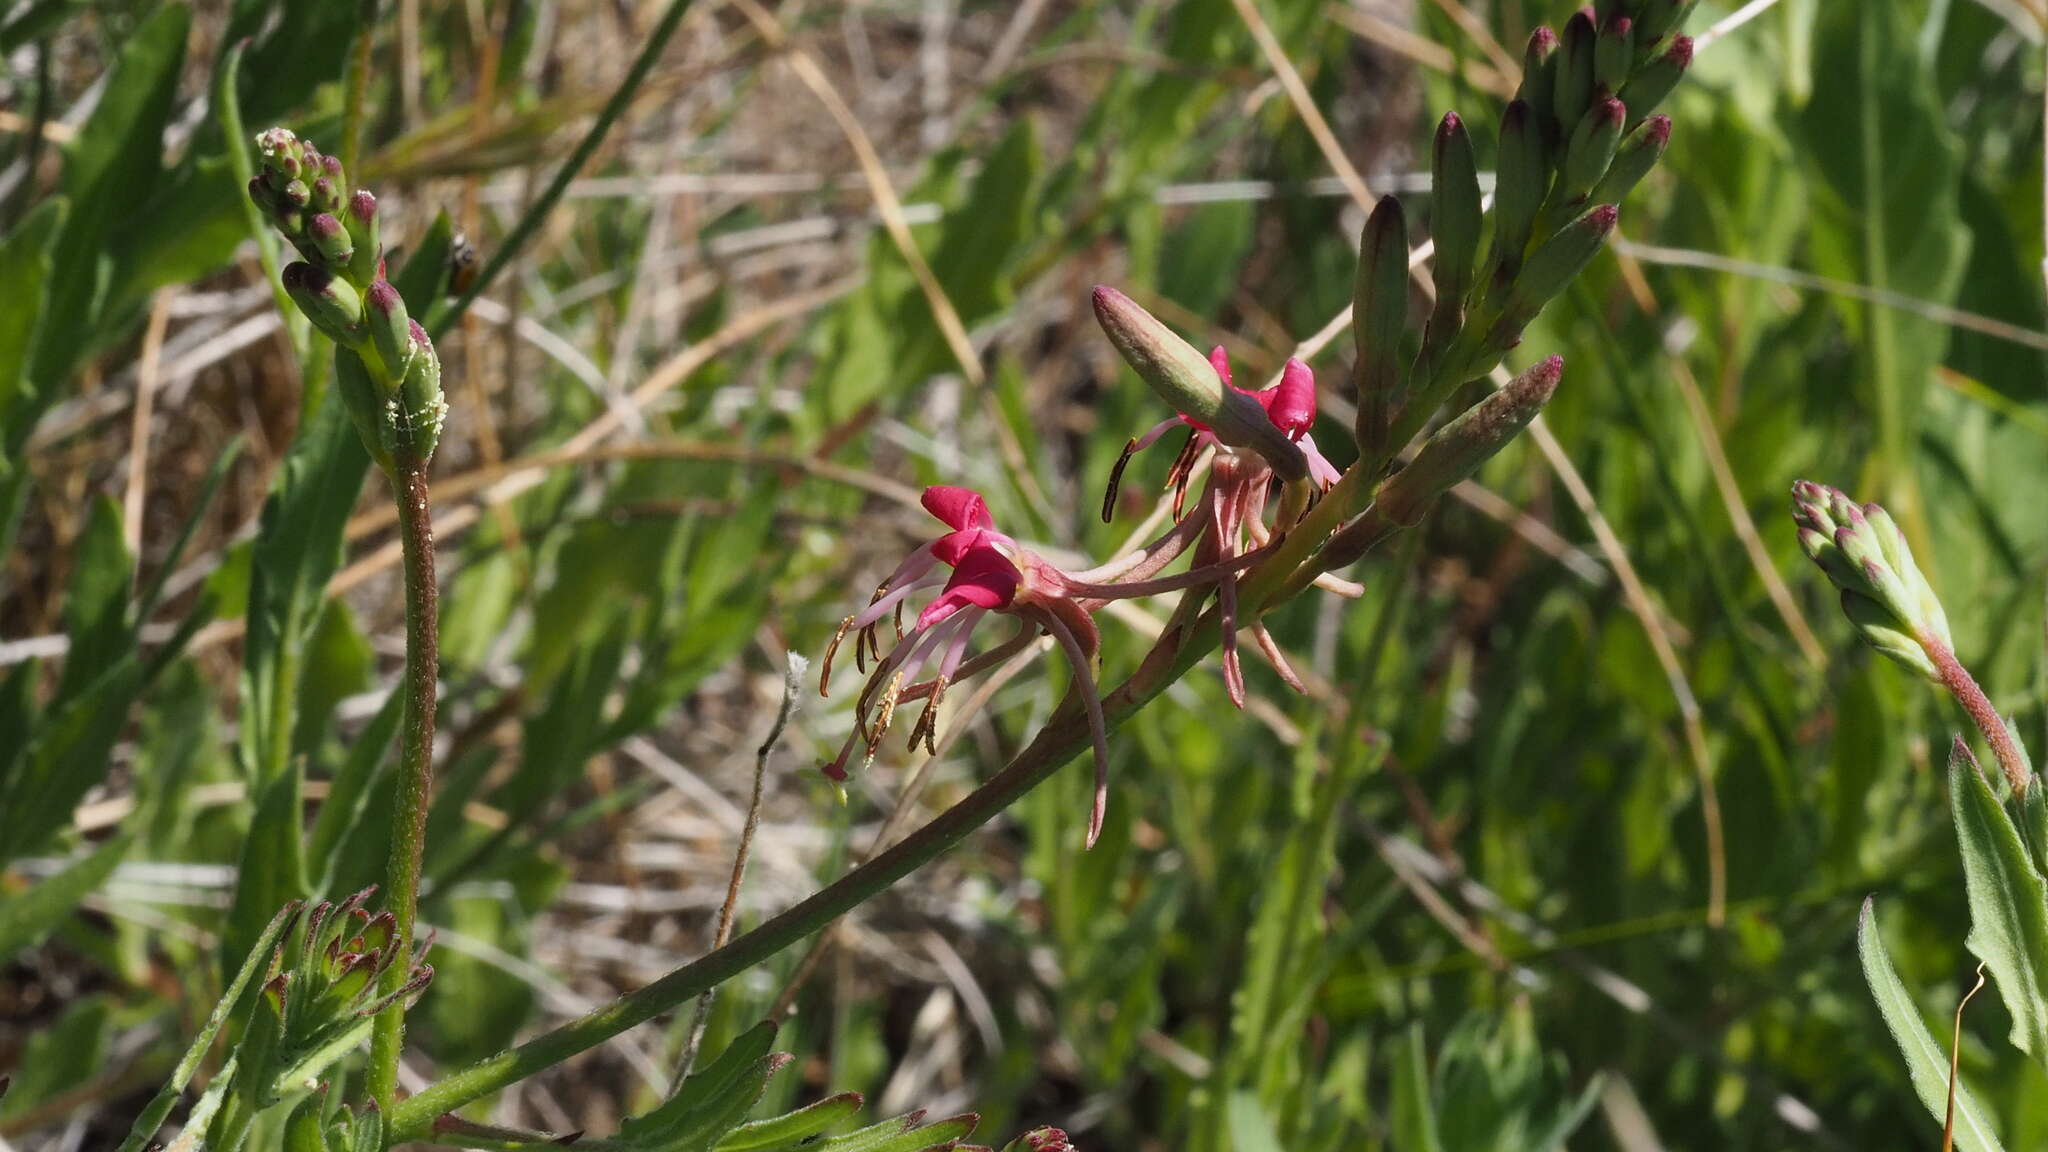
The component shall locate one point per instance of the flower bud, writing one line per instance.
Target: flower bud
(1521, 181)
(361, 221)
(1455, 215)
(1863, 553)
(1457, 449)
(1572, 88)
(1186, 380)
(1539, 71)
(329, 241)
(1591, 150)
(1040, 1140)
(1549, 270)
(368, 407)
(1655, 80)
(1639, 152)
(384, 314)
(327, 300)
(1657, 18)
(422, 410)
(1379, 316)
(1614, 54)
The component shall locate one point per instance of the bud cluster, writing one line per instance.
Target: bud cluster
(1576, 139)
(320, 991)
(1865, 555)
(390, 375)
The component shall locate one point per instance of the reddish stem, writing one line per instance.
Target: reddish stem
(1960, 684)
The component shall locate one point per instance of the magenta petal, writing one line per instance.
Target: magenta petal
(958, 508)
(1291, 404)
(1219, 359)
(953, 546)
(983, 578)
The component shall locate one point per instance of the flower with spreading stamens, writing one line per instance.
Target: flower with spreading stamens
(989, 572)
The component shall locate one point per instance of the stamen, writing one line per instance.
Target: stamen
(1116, 477)
(825, 670)
(1277, 659)
(1091, 702)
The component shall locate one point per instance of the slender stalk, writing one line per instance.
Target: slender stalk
(537, 211)
(415, 767)
(1960, 684)
(357, 91)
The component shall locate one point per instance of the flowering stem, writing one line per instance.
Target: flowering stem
(1065, 735)
(416, 762)
(1960, 684)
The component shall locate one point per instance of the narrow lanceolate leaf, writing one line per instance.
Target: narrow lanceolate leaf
(1379, 313)
(1414, 1114)
(27, 917)
(2008, 902)
(792, 1128)
(1926, 1057)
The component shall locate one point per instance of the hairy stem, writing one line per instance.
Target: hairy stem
(415, 766)
(1960, 684)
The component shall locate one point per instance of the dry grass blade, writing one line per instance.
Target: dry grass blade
(1955, 1057)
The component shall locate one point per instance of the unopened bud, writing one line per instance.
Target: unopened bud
(1614, 54)
(1572, 88)
(330, 241)
(1457, 449)
(1657, 18)
(1188, 383)
(1455, 213)
(1379, 316)
(327, 300)
(1639, 152)
(1521, 181)
(1591, 150)
(360, 219)
(1539, 71)
(1551, 267)
(1863, 553)
(422, 409)
(385, 316)
(1655, 80)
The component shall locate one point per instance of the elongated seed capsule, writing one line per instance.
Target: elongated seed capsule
(1572, 91)
(1457, 449)
(1591, 150)
(1655, 80)
(1379, 315)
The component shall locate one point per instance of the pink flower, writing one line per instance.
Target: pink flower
(1232, 506)
(989, 572)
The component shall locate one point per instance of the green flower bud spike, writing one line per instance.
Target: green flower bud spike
(1188, 382)
(1639, 152)
(330, 240)
(1455, 212)
(1539, 71)
(1521, 181)
(390, 329)
(423, 409)
(1550, 268)
(1894, 609)
(360, 219)
(1614, 53)
(1658, 17)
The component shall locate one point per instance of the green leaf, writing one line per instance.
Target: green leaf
(96, 610)
(27, 917)
(64, 759)
(792, 1128)
(273, 867)
(1926, 1058)
(350, 791)
(159, 1109)
(1414, 1114)
(297, 549)
(2008, 902)
(24, 274)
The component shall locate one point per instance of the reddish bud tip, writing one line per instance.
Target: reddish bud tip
(1610, 110)
(1620, 27)
(417, 334)
(1603, 217)
(1680, 52)
(383, 298)
(1658, 130)
(1543, 41)
(323, 227)
(1449, 127)
(363, 207)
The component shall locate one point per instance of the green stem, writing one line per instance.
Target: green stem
(416, 764)
(1064, 736)
(537, 211)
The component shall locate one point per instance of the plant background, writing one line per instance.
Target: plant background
(1479, 838)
